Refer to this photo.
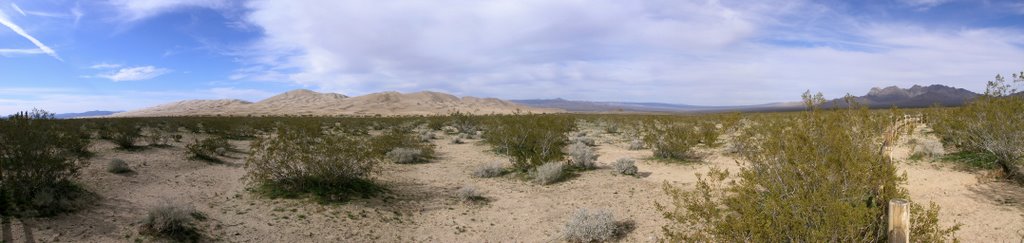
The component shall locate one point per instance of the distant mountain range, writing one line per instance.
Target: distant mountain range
(84, 114)
(914, 97)
(306, 102)
(302, 102)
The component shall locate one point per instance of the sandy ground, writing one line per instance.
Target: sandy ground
(421, 206)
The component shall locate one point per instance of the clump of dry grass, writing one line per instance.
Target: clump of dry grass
(591, 226)
(173, 221)
(549, 173)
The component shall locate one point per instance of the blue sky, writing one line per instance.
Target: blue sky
(72, 56)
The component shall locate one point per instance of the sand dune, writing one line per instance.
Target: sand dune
(307, 102)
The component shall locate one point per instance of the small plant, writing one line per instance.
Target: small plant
(591, 226)
(406, 156)
(636, 144)
(208, 149)
(585, 140)
(529, 140)
(39, 160)
(582, 156)
(674, 142)
(118, 166)
(625, 166)
(548, 173)
(426, 136)
(493, 169)
(158, 137)
(176, 222)
(470, 194)
(293, 163)
(457, 140)
(124, 134)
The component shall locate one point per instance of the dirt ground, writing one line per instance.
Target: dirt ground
(421, 205)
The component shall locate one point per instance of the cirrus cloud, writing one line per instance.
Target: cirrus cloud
(132, 73)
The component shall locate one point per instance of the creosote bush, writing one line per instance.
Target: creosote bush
(548, 173)
(39, 158)
(582, 156)
(158, 137)
(293, 163)
(673, 141)
(591, 226)
(529, 140)
(118, 166)
(815, 176)
(990, 126)
(389, 141)
(488, 170)
(124, 134)
(176, 222)
(208, 149)
(625, 166)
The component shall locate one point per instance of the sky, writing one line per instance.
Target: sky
(74, 56)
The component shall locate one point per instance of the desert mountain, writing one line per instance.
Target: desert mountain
(307, 102)
(914, 97)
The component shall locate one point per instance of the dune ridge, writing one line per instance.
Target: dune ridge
(303, 102)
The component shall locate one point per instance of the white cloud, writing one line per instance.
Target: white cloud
(16, 8)
(104, 65)
(65, 100)
(924, 4)
(135, 73)
(5, 21)
(18, 52)
(702, 52)
(134, 10)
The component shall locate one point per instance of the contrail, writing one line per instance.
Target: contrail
(17, 29)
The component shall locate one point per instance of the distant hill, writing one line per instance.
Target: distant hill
(84, 114)
(913, 97)
(597, 106)
(307, 102)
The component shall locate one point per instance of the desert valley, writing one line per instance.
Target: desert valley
(511, 121)
(471, 174)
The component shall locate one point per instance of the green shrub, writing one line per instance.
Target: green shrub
(118, 166)
(158, 137)
(208, 149)
(292, 163)
(176, 222)
(673, 141)
(397, 137)
(991, 124)
(708, 133)
(39, 158)
(815, 176)
(529, 140)
(123, 133)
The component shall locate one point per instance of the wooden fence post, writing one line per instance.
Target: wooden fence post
(899, 221)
